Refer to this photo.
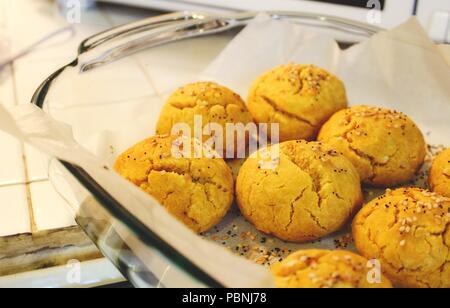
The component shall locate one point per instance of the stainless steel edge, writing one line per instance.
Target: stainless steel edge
(125, 40)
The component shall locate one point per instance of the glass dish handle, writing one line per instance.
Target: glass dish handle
(128, 39)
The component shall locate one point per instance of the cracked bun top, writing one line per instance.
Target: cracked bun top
(310, 191)
(199, 192)
(213, 102)
(326, 269)
(440, 174)
(298, 97)
(408, 231)
(385, 146)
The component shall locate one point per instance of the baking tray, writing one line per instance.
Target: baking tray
(90, 88)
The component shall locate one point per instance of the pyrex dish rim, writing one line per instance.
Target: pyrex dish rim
(173, 27)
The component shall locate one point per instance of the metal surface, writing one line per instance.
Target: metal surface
(123, 41)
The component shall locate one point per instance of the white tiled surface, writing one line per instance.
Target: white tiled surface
(30, 73)
(37, 164)
(25, 22)
(11, 161)
(46, 200)
(28, 202)
(14, 209)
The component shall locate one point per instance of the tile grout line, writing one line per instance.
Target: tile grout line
(12, 184)
(33, 226)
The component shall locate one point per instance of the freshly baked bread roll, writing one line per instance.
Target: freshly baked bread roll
(213, 102)
(408, 231)
(198, 191)
(439, 179)
(305, 193)
(300, 98)
(385, 146)
(326, 269)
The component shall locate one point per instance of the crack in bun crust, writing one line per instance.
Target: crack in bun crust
(408, 230)
(199, 192)
(325, 269)
(311, 193)
(385, 146)
(300, 98)
(215, 103)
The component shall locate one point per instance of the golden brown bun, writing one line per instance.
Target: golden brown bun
(439, 179)
(199, 192)
(325, 269)
(385, 146)
(298, 97)
(311, 192)
(408, 231)
(215, 103)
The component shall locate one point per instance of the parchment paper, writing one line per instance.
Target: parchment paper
(400, 69)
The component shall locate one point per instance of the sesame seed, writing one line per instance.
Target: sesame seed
(402, 243)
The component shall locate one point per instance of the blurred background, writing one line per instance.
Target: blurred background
(39, 36)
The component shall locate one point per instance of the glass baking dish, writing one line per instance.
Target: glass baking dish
(108, 96)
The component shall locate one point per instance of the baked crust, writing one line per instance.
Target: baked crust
(213, 102)
(408, 231)
(385, 146)
(301, 98)
(439, 179)
(325, 269)
(311, 192)
(199, 192)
